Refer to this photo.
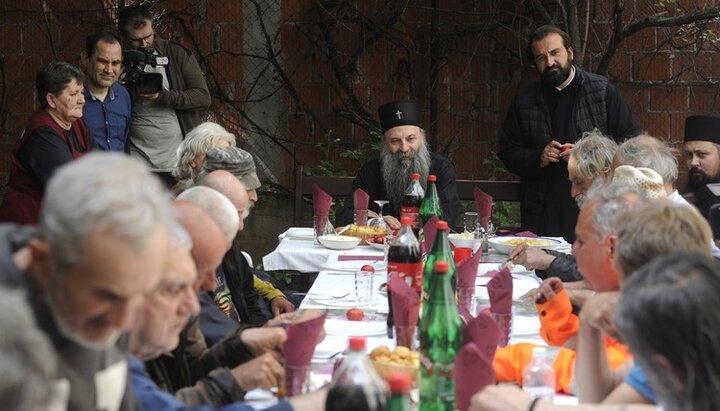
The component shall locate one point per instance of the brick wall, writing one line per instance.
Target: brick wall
(477, 79)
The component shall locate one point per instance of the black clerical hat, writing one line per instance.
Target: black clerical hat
(702, 128)
(399, 113)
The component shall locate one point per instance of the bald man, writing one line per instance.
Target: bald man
(241, 361)
(236, 299)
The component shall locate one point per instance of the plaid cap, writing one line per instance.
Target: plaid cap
(234, 160)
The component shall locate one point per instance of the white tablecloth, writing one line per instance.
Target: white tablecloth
(297, 251)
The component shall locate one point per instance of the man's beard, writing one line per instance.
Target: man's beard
(73, 336)
(557, 77)
(697, 179)
(397, 167)
(581, 199)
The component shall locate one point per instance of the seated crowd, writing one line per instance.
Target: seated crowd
(124, 292)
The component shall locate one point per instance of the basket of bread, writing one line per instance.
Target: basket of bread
(400, 360)
(365, 233)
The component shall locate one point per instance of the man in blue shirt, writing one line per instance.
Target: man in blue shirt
(107, 103)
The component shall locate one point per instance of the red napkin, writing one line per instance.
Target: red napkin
(500, 289)
(361, 200)
(474, 362)
(321, 207)
(483, 205)
(298, 350)
(473, 372)
(429, 232)
(301, 340)
(467, 271)
(405, 307)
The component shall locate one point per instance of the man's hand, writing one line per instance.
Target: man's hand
(264, 340)
(151, 97)
(551, 153)
(531, 258)
(391, 222)
(282, 320)
(280, 305)
(599, 312)
(547, 291)
(505, 397)
(261, 372)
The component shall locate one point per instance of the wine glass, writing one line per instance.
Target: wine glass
(379, 222)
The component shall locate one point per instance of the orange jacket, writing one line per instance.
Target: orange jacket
(558, 324)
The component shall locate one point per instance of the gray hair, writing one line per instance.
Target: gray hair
(217, 206)
(658, 228)
(651, 152)
(594, 154)
(27, 360)
(180, 236)
(612, 200)
(198, 141)
(102, 192)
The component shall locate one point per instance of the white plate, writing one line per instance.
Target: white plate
(501, 243)
(377, 246)
(347, 302)
(299, 233)
(355, 328)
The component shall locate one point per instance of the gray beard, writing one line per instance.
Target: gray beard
(396, 171)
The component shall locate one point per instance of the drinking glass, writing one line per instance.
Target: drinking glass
(472, 223)
(379, 222)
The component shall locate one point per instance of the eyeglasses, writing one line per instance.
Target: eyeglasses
(141, 40)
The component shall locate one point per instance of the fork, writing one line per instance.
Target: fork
(325, 295)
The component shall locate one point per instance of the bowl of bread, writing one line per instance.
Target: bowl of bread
(400, 360)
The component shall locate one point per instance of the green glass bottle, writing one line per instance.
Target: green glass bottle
(440, 339)
(430, 205)
(440, 251)
(399, 399)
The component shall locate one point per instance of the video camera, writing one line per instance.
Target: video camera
(136, 79)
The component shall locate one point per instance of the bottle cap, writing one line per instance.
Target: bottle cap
(441, 225)
(367, 267)
(399, 383)
(432, 178)
(357, 343)
(442, 267)
(415, 176)
(406, 220)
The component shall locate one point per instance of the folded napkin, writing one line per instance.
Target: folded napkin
(298, 349)
(429, 232)
(301, 340)
(483, 205)
(321, 206)
(474, 362)
(528, 234)
(361, 200)
(405, 308)
(467, 271)
(500, 289)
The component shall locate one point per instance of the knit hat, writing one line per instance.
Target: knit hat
(234, 160)
(399, 113)
(642, 177)
(702, 128)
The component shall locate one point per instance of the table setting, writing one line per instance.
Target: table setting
(489, 287)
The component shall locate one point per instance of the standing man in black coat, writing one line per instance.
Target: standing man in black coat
(543, 123)
(404, 152)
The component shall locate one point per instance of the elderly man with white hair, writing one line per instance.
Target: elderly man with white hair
(404, 151)
(193, 149)
(101, 247)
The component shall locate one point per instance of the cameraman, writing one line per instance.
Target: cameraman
(160, 120)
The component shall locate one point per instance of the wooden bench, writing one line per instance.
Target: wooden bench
(341, 186)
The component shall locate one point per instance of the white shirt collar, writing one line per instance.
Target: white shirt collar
(568, 80)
